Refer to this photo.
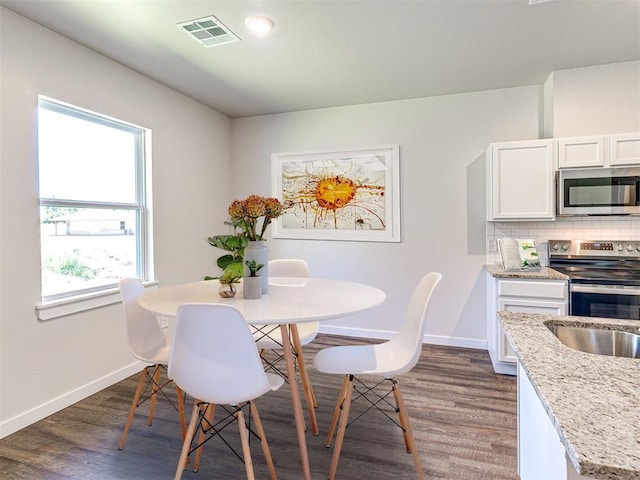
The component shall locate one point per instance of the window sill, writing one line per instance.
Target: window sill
(69, 306)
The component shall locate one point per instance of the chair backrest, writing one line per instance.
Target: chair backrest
(213, 356)
(289, 267)
(143, 332)
(408, 341)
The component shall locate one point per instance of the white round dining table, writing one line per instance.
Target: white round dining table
(290, 301)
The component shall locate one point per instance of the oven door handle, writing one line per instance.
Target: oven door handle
(604, 289)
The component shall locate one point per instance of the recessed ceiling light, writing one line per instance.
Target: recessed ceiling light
(258, 24)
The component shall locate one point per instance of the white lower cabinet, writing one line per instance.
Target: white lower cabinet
(541, 454)
(518, 295)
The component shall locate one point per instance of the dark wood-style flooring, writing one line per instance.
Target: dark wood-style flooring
(463, 415)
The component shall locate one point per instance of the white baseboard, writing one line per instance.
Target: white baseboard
(29, 417)
(356, 332)
(386, 335)
(456, 342)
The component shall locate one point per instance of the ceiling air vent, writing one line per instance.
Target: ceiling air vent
(208, 31)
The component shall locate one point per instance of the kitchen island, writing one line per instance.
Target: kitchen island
(592, 401)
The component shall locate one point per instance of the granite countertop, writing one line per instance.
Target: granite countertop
(545, 273)
(593, 401)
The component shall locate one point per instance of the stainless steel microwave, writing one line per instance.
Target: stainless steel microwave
(599, 191)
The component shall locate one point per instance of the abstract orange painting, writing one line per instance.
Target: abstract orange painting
(347, 194)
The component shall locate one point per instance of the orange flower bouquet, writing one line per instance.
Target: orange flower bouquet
(254, 214)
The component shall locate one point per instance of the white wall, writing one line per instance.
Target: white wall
(596, 100)
(442, 142)
(45, 366)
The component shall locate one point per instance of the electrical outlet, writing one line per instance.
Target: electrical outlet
(164, 322)
(492, 245)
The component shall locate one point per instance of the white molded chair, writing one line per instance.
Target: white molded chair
(269, 337)
(307, 331)
(214, 359)
(148, 344)
(394, 357)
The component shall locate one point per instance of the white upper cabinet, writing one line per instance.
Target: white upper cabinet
(599, 151)
(581, 152)
(521, 175)
(520, 181)
(624, 149)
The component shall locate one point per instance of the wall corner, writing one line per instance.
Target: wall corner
(547, 107)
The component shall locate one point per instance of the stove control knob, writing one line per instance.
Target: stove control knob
(638, 248)
(620, 248)
(565, 247)
(555, 247)
(629, 248)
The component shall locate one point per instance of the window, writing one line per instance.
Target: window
(93, 210)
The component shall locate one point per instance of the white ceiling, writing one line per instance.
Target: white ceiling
(325, 53)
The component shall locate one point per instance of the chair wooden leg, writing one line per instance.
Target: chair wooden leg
(244, 438)
(208, 413)
(344, 418)
(405, 434)
(404, 421)
(336, 411)
(263, 440)
(132, 409)
(313, 396)
(306, 383)
(304, 378)
(156, 379)
(180, 399)
(187, 442)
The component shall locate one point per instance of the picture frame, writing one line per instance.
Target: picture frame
(348, 194)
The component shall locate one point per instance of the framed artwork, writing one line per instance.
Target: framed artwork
(348, 194)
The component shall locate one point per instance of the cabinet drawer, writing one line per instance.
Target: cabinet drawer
(523, 288)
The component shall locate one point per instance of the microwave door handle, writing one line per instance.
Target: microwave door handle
(605, 289)
(626, 193)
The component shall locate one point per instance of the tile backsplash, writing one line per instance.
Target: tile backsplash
(571, 228)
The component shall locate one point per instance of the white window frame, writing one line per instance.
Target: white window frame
(67, 303)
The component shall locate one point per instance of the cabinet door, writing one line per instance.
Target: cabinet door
(625, 149)
(520, 181)
(505, 352)
(581, 152)
(541, 454)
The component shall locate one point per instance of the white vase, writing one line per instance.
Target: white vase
(252, 287)
(257, 250)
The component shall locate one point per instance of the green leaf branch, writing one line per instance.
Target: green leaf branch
(231, 263)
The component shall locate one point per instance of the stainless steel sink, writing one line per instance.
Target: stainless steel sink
(601, 342)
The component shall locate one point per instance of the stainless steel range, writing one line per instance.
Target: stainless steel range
(604, 276)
